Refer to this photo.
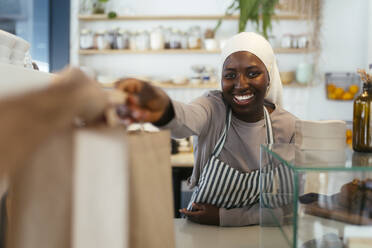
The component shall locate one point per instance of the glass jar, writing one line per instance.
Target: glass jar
(175, 39)
(110, 38)
(132, 40)
(286, 41)
(362, 132)
(100, 41)
(143, 41)
(86, 39)
(184, 40)
(121, 39)
(157, 39)
(86, 7)
(194, 41)
(167, 37)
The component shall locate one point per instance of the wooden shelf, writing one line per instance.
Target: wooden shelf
(175, 86)
(103, 17)
(183, 51)
(163, 51)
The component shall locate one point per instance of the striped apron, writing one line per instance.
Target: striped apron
(226, 187)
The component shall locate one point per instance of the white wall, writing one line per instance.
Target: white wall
(344, 35)
(344, 39)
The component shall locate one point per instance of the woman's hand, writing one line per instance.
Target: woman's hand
(146, 103)
(203, 214)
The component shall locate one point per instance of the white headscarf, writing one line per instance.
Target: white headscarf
(259, 46)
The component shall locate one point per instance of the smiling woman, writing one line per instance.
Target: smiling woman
(229, 127)
(245, 81)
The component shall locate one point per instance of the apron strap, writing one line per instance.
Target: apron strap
(221, 141)
(269, 129)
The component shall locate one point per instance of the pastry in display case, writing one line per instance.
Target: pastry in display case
(315, 198)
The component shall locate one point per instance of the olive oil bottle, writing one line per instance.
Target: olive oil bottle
(362, 119)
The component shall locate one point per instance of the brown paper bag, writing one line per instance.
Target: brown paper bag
(94, 188)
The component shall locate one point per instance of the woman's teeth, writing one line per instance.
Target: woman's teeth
(243, 98)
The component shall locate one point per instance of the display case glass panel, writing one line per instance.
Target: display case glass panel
(315, 198)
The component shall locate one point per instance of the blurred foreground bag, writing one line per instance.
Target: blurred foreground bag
(94, 188)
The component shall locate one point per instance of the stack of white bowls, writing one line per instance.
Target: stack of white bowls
(13, 49)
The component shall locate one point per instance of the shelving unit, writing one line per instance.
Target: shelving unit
(174, 17)
(101, 19)
(182, 51)
(164, 51)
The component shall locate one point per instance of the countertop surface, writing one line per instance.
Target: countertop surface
(192, 235)
(183, 159)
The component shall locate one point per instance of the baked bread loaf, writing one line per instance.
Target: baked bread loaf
(356, 197)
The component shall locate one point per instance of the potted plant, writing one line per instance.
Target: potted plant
(99, 7)
(259, 12)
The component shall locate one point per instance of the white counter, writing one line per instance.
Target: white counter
(191, 235)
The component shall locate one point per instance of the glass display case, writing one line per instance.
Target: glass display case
(315, 198)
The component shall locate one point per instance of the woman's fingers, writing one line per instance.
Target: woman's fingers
(129, 85)
(197, 206)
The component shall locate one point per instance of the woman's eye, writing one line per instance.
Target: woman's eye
(230, 76)
(253, 74)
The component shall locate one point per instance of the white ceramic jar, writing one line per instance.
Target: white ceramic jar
(211, 44)
(157, 39)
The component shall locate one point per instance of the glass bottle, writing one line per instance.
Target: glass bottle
(362, 131)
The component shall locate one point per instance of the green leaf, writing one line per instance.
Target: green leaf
(268, 10)
(112, 15)
(251, 11)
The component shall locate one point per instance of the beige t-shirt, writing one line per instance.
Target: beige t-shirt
(205, 119)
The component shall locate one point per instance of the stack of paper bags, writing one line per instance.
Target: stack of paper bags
(320, 144)
(13, 49)
(320, 135)
(97, 187)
